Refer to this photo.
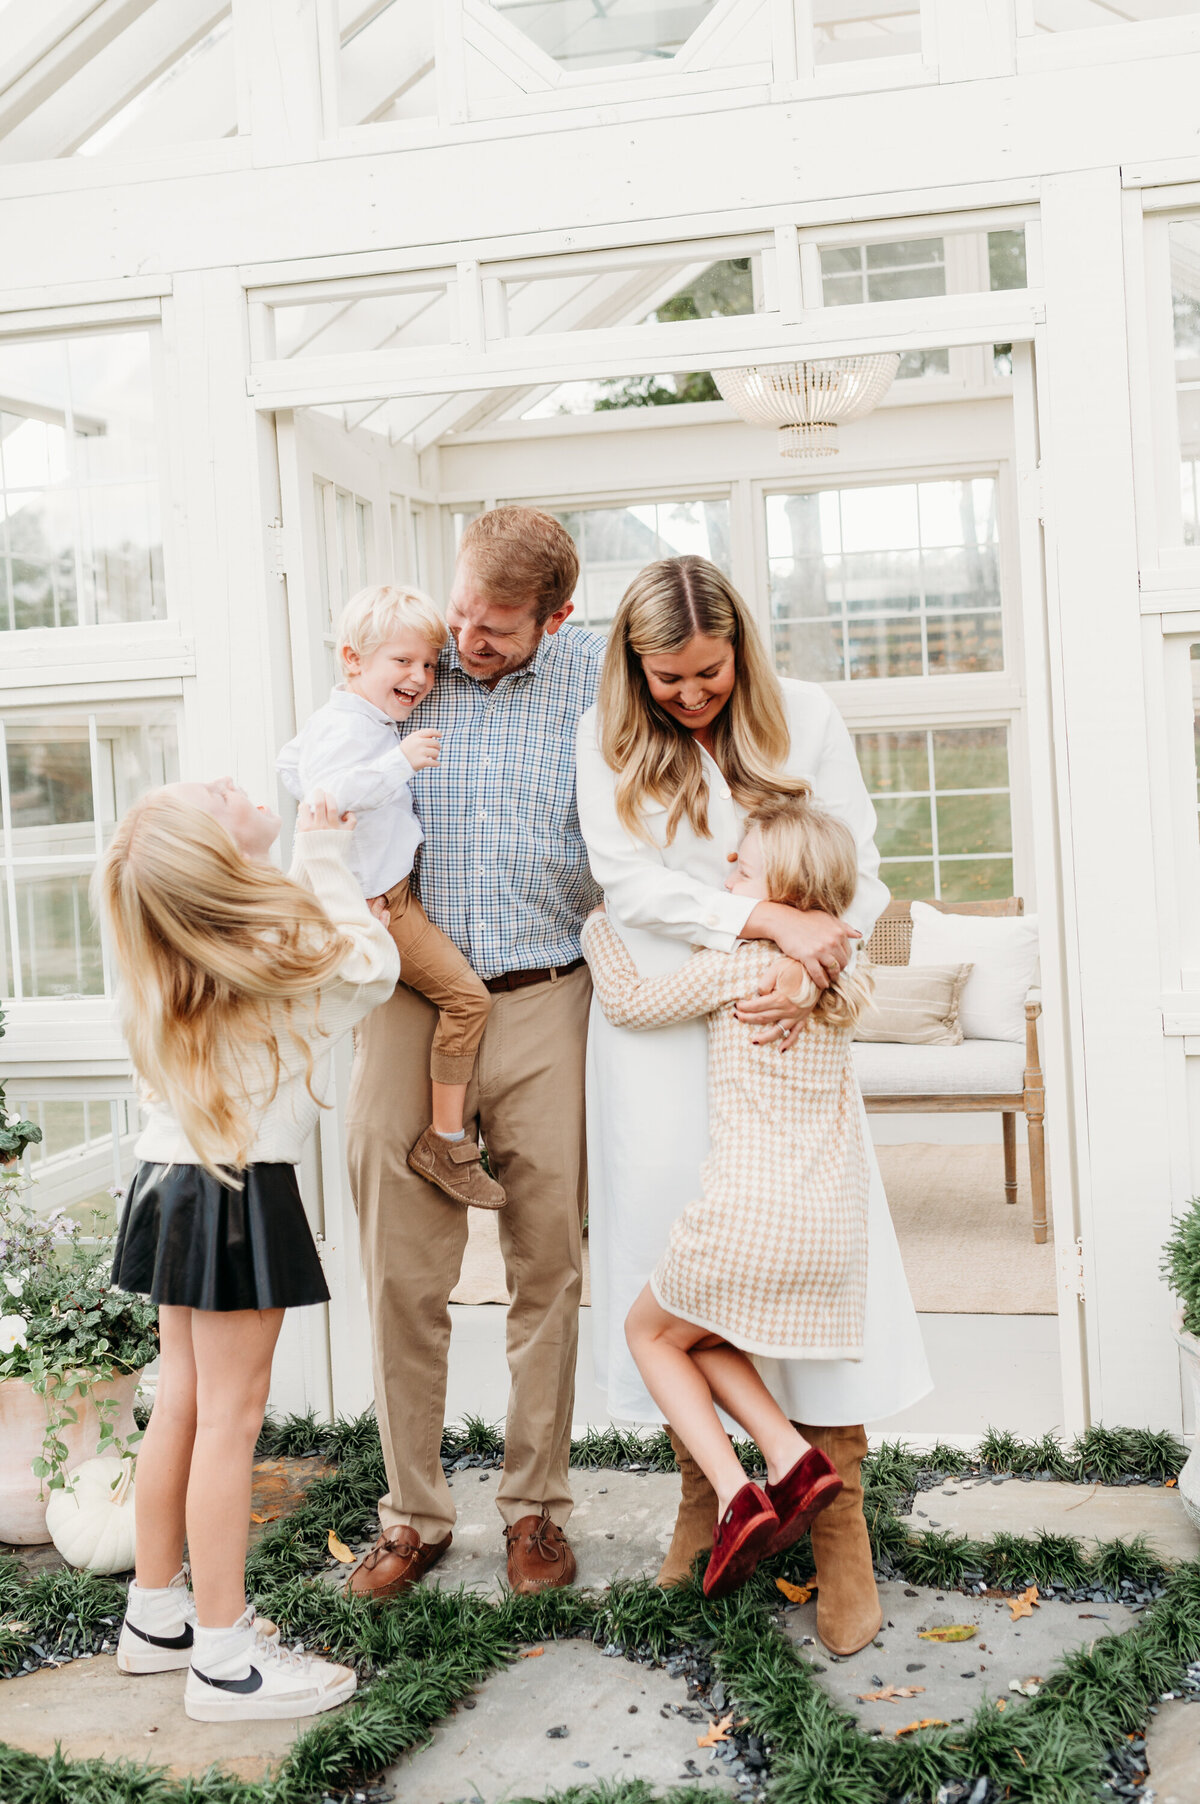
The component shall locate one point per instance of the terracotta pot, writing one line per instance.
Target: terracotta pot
(1189, 1478)
(22, 1429)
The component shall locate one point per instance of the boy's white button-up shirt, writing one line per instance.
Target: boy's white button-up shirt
(351, 750)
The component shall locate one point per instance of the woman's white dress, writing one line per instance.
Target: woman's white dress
(647, 1092)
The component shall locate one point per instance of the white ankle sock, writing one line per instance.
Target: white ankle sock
(461, 1135)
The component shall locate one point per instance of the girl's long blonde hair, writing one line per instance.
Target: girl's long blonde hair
(206, 941)
(810, 860)
(654, 757)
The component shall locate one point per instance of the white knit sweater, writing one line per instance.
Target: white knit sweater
(366, 977)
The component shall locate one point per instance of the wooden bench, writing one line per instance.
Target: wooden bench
(979, 1074)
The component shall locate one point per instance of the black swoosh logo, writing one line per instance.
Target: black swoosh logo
(251, 1682)
(171, 1641)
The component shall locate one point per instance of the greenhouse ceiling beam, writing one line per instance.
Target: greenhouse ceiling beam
(66, 45)
(949, 320)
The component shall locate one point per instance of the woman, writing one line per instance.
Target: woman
(693, 729)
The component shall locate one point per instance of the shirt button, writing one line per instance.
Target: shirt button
(712, 920)
(482, 815)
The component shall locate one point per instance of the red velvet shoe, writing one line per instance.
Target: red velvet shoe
(800, 1496)
(740, 1540)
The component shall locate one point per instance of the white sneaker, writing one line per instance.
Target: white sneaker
(157, 1633)
(250, 1677)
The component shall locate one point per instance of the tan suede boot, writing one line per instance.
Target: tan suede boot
(848, 1612)
(695, 1522)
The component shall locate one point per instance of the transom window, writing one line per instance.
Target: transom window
(80, 539)
(945, 816)
(67, 775)
(614, 543)
(895, 581)
(581, 34)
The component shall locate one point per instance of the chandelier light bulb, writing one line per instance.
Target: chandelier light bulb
(806, 401)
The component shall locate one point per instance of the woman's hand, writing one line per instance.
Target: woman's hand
(320, 815)
(379, 908)
(782, 1006)
(820, 942)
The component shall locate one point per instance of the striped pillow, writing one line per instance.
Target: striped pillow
(913, 1005)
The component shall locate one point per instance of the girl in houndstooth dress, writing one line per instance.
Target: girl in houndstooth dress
(771, 1259)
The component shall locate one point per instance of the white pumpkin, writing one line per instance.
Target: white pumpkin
(91, 1519)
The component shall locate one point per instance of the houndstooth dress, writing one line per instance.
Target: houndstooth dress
(773, 1255)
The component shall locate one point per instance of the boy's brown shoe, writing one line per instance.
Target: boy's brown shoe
(398, 1560)
(539, 1556)
(456, 1167)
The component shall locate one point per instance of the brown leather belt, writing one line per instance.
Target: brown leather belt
(517, 980)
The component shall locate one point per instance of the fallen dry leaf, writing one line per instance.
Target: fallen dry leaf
(926, 1722)
(533, 1653)
(1023, 1605)
(888, 1693)
(1028, 1688)
(271, 1516)
(717, 1733)
(1170, 1484)
(339, 1550)
(795, 1594)
(957, 1631)
(1002, 1703)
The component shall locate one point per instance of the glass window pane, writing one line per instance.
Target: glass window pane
(80, 534)
(1085, 15)
(614, 543)
(1006, 259)
(813, 653)
(918, 581)
(86, 1151)
(579, 34)
(963, 818)
(66, 776)
(885, 28)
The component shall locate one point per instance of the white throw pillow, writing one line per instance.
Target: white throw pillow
(1003, 950)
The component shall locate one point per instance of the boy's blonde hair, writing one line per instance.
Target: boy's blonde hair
(810, 860)
(206, 942)
(369, 619)
(654, 757)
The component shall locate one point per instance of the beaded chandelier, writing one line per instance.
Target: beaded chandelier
(807, 400)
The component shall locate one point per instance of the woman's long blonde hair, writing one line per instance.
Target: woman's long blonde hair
(654, 757)
(206, 941)
(810, 860)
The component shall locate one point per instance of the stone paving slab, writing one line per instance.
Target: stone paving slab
(1090, 1512)
(97, 1712)
(620, 1528)
(610, 1708)
(1173, 1751)
(956, 1675)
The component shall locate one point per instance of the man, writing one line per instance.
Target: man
(504, 873)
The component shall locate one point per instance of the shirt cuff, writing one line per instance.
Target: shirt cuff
(722, 921)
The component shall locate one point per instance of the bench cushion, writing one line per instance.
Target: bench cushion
(976, 1068)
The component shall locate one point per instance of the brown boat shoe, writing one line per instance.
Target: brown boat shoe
(456, 1167)
(398, 1560)
(539, 1556)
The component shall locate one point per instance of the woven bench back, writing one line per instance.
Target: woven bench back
(891, 941)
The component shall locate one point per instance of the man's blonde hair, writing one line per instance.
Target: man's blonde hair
(655, 758)
(369, 619)
(207, 943)
(522, 557)
(810, 860)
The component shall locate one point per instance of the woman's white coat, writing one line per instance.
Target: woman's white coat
(647, 1095)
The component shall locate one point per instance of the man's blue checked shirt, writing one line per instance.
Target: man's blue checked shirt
(504, 870)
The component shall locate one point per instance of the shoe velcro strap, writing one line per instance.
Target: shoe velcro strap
(462, 1152)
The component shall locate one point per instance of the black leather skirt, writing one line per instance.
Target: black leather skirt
(187, 1239)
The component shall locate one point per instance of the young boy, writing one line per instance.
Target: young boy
(353, 748)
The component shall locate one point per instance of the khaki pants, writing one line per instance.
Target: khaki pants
(527, 1091)
(433, 965)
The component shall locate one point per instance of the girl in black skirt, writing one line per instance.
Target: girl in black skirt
(236, 983)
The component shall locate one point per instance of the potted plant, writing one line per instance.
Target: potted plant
(71, 1352)
(1181, 1266)
(15, 1135)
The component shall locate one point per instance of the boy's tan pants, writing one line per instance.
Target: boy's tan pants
(527, 1090)
(433, 965)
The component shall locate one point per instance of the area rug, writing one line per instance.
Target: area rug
(965, 1250)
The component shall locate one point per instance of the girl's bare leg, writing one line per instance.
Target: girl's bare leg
(165, 1454)
(734, 1382)
(449, 1105)
(233, 1351)
(660, 1344)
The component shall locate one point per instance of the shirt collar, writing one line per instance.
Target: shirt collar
(347, 702)
(450, 663)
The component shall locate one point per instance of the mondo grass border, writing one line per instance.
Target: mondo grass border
(421, 1653)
